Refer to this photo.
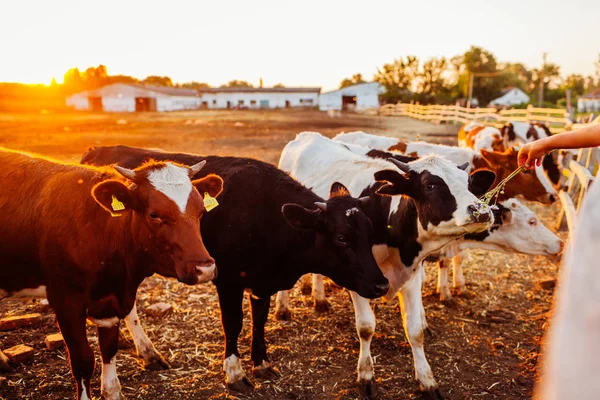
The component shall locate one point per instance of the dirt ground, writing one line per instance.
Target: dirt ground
(485, 345)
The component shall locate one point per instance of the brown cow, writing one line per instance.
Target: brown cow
(86, 238)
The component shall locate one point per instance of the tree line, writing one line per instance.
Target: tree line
(443, 80)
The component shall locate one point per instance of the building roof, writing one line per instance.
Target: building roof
(169, 90)
(594, 94)
(261, 90)
(376, 84)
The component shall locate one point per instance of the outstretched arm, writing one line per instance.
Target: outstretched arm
(531, 154)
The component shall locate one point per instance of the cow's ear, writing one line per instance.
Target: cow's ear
(491, 157)
(396, 183)
(114, 196)
(337, 189)
(507, 216)
(211, 184)
(300, 217)
(481, 181)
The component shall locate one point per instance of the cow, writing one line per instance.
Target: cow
(418, 208)
(516, 134)
(271, 230)
(516, 230)
(531, 186)
(478, 137)
(86, 237)
(569, 362)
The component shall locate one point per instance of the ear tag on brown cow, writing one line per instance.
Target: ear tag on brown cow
(209, 202)
(116, 204)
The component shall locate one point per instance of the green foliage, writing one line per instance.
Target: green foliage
(237, 83)
(195, 85)
(157, 80)
(355, 80)
(397, 78)
(278, 85)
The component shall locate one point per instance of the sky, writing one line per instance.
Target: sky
(299, 43)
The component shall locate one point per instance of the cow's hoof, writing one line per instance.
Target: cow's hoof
(241, 386)
(322, 306)
(266, 373)
(283, 315)
(114, 396)
(433, 394)
(305, 290)
(156, 363)
(367, 388)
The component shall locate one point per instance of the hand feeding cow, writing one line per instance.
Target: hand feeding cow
(86, 238)
(407, 228)
(271, 230)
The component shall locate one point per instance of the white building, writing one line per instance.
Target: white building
(356, 97)
(510, 97)
(235, 97)
(130, 97)
(589, 102)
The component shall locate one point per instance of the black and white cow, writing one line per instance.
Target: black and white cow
(516, 230)
(267, 232)
(422, 206)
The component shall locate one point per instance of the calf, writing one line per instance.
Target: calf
(435, 206)
(531, 186)
(86, 238)
(478, 137)
(516, 230)
(272, 230)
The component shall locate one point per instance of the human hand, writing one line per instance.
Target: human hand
(531, 155)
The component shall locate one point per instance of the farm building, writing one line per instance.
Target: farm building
(355, 97)
(510, 96)
(130, 97)
(589, 102)
(236, 97)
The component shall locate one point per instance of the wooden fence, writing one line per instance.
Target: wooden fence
(556, 119)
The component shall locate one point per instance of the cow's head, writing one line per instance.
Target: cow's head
(519, 229)
(441, 193)
(532, 185)
(343, 241)
(164, 208)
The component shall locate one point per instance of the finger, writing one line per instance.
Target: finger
(538, 162)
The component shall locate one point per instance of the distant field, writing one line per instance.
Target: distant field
(485, 346)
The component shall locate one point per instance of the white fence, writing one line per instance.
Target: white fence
(556, 119)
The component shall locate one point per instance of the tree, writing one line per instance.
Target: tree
(157, 80)
(576, 83)
(432, 76)
(195, 85)
(397, 78)
(238, 84)
(475, 61)
(516, 75)
(278, 85)
(355, 80)
(72, 81)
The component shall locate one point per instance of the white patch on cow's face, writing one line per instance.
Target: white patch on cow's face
(174, 182)
(523, 232)
(233, 369)
(469, 127)
(351, 211)
(38, 292)
(539, 172)
(457, 181)
(105, 322)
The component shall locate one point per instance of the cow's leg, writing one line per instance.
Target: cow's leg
(458, 279)
(108, 339)
(365, 327)
(411, 306)
(260, 311)
(4, 365)
(282, 306)
(232, 317)
(318, 292)
(443, 288)
(71, 318)
(305, 284)
(153, 360)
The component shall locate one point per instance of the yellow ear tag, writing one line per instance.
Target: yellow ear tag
(209, 202)
(116, 204)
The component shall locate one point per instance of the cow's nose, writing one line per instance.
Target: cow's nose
(477, 215)
(552, 198)
(382, 288)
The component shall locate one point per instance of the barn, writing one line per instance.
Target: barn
(589, 102)
(510, 96)
(131, 97)
(275, 97)
(354, 98)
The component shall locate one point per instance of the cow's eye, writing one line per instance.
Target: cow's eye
(430, 186)
(154, 216)
(533, 222)
(341, 240)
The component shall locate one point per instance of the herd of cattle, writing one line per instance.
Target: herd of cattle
(363, 210)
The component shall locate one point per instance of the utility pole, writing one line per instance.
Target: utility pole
(541, 93)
